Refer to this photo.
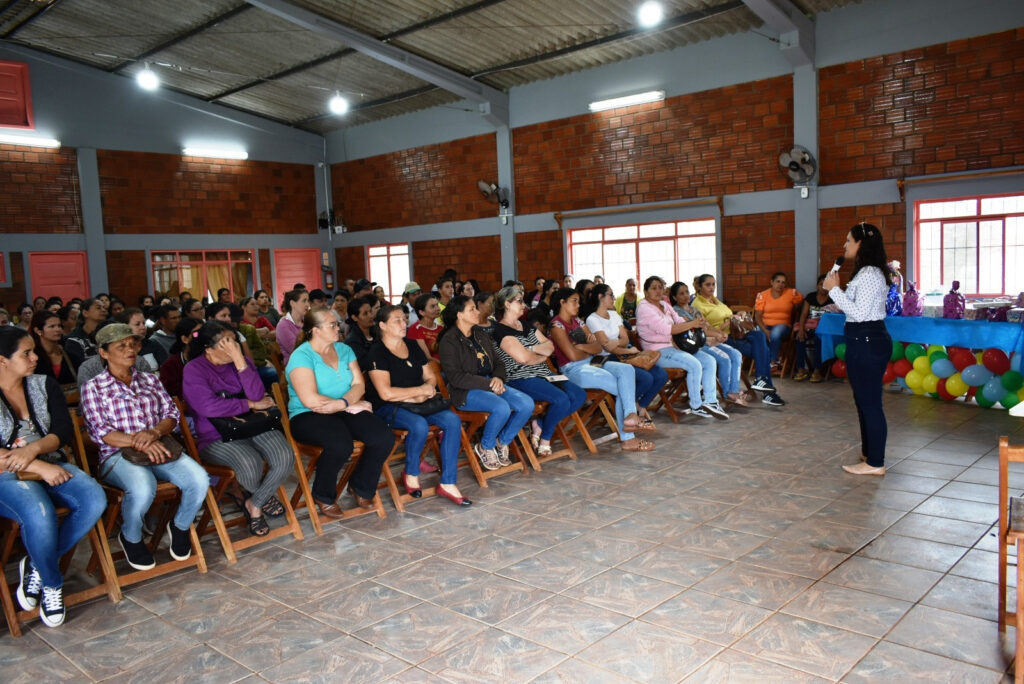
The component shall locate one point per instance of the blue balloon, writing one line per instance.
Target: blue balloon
(976, 375)
(902, 383)
(994, 388)
(943, 368)
(1015, 362)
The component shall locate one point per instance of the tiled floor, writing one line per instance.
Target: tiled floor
(737, 551)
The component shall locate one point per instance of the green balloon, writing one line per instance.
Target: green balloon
(897, 351)
(1012, 381)
(936, 355)
(982, 401)
(841, 351)
(1010, 400)
(913, 351)
(934, 395)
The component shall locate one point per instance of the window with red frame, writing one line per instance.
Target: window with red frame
(390, 267)
(678, 250)
(976, 240)
(202, 273)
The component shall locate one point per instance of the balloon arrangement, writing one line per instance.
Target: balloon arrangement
(990, 377)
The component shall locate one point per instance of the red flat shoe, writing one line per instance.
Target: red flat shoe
(427, 467)
(414, 492)
(457, 500)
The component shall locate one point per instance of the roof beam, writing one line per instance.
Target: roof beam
(29, 20)
(492, 103)
(796, 31)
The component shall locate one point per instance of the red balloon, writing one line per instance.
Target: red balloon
(943, 394)
(890, 373)
(971, 392)
(962, 358)
(839, 368)
(902, 367)
(995, 360)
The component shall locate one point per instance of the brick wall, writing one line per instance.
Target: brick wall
(126, 274)
(540, 254)
(836, 223)
(945, 108)
(477, 257)
(266, 273)
(351, 263)
(162, 193)
(13, 296)
(39, 190)
(430, 184)
(753, 247)
(719, 141)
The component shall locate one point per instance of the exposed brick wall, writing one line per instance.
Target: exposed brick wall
(834, 224)
(266, 274)
(945, 108)
(351, 263)
(39, 190)
(539, 254)
(719, 141)
(430, 184)
(162, 193)
(13, 296)
(126, 273)
(477, 257)
(753, 247)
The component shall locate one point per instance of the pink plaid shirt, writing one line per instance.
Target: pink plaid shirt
(108, 405)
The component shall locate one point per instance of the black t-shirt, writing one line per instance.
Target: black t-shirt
(483, 361)
(404, 372)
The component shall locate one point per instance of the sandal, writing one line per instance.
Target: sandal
(535, 431)
(637, 444)
(641, 426)
(543, 449)
(273, 507)
(258, 527)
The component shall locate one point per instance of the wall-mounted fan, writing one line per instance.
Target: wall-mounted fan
(493, 193)
(799, 165)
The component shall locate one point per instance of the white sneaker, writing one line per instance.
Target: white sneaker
(701, 411)
(715, 409)
(51, 607)
(30, 585)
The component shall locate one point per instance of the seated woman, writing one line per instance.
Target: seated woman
(656, 323)
(123, 408)
(251, 316)
(549, 288)
(400, 380)
(294, 308)
(172, 370)
(754, 344)
(773, 311)
(427, 330)
(810, 313)
(469, 288)
(221, 382)
(95, 365)
(54, 362)
(524, 351)
(729, 360)
(340, 310)
(625, 303)
(253, 345)
(266, 310)
(34, 424)
(152, 351)
(575, 347)
(327, 409)
(476, 382)
(611, 332)
(485, 310)
(25, 313)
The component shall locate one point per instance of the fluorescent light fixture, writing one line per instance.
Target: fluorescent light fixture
(28, 140)
(626, 101)
(650, 14)
(147, 79)
(215, 152)
(337, 104)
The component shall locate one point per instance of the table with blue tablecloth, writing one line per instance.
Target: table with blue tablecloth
(945, 331)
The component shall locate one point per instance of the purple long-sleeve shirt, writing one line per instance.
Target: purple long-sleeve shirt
(201, 383)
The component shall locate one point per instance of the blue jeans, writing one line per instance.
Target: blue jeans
(700, 373)
(268, 374)
(139, 486)
(648, 382)
(730, 365)
(562, 401)
(755, 345)
(33, 506)
(868, 347)
(510, 411)
(418, 426)
(776, 335)
(613, 377)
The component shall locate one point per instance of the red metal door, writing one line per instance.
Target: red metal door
(59, 274)
(295, 266)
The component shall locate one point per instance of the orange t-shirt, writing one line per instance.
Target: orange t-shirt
(777, 311)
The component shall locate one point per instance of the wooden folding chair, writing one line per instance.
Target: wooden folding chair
(536, 460)
(595, 398)
(303, 495)
(166, 494)
(397, 458)
(1011, 534)
(222, 479)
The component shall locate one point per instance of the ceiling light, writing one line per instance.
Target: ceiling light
(215, 152)
(638, 98)
(650, 14)
(28, 140)
(147, 79)
(337, 104)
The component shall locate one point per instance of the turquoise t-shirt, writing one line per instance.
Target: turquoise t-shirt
(329, 382)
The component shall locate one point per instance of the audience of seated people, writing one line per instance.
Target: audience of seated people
(427, 329)
(729, 360)
(293, 309)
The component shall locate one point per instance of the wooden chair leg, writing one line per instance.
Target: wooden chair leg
(1018, 657)
(213, 512)
(584, 433)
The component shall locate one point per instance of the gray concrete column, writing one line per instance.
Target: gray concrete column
(507, 222)
(92, 219)
(807, 239)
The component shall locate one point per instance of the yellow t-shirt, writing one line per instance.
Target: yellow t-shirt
(718, 315)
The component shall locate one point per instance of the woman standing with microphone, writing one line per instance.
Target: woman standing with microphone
(868, 345)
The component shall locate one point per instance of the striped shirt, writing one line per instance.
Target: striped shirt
(108, 405)
(513, 369)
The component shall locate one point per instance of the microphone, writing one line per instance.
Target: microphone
(838, 264)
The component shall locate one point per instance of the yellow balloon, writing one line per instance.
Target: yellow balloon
(930, 383)
(922, 365)
(935, 348)
(919, 391)
(956, 386)
(1020, 393)
(979, 356)
(914, 379)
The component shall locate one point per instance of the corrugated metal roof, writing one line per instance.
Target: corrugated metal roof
(230, 52)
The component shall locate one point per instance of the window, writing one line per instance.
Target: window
(675, 251)
(202, 273)
(976, 240)
(389, 267)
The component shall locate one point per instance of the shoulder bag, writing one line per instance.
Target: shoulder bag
(645, 360)
(141, 458)
(248, 424)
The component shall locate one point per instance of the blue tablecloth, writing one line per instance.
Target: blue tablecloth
(948, 332)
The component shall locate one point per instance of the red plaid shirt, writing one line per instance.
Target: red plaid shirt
(109, 405)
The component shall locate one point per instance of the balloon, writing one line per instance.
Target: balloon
(902, 367)
(961, 358)
(996, 360)
(914, 379)
(936, 355)
(956, 386)
(1009, 400)
(839, 368)
(943, 368)
(982, 401)
(943, 393)
(889, 374)
(932, 348)
(930, 383)
(919, 391)
(913, 351)
(956, 350)
(976, 375)
(1020, 394)
(993, 389)
(1015, 362)
(921, 363)
(902, 382)
(841, 351)
(897, 351)
(1012, 380)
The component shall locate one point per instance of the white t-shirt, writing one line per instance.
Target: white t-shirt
(609, 326)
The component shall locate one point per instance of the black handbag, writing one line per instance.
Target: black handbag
(248, 424)
(691, 340)
(425, 408)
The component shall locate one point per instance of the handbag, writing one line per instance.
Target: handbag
(645, 360)
(741, 324)
(248, 424)
(690, 341)
(141, 458)
(435, 404)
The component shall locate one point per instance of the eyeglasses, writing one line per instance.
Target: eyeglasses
(332, 324)
(517, 299)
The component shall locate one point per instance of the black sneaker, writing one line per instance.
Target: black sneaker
(51, 608)
(715, 409)
(763, 384)
(701, 412)
(30, 586)
(181, 542)
(773, 399)
(136, 553)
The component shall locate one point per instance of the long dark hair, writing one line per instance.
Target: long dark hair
(449, 316)
(674, 290)
(871, 251)
(10, 337)
(549, 285)
(185, 327)
(207, 337)
(560, 296)
(594, 299)
(38, 321)
(381, 318)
